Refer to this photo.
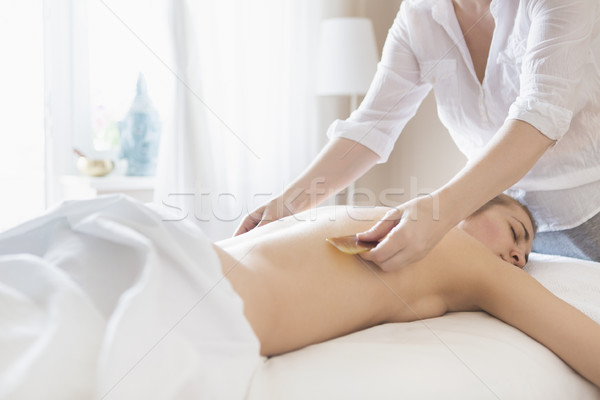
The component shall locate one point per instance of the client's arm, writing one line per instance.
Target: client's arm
(516, 298)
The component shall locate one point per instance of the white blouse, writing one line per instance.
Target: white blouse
(543, 68)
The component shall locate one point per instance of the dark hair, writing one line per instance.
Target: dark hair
(506, 200)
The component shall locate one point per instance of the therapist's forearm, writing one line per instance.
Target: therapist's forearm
(513, 151)
(340, 163)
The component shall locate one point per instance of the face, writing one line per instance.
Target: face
(505, 229)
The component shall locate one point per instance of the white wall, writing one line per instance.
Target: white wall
(424, 154)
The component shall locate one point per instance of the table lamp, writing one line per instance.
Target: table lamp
(347, 58)
(347, 62)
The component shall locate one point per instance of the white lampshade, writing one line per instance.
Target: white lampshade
(347, 57)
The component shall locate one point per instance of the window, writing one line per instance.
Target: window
(95, 51)
(125, 39)
(22, 105)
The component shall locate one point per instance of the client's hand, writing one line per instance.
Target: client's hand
(405, 234)
(272, 211)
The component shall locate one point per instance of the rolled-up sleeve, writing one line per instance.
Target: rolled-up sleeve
(558, 49)
(392, 99)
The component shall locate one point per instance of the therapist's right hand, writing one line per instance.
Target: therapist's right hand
(272, 211)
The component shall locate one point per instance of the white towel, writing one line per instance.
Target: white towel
(575, 281)
(103, 299)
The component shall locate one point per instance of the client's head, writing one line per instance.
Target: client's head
(505, 226)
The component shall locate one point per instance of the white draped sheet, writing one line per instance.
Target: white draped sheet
(102, 299)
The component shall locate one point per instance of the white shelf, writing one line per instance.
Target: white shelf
(112, 183)
(81, 187)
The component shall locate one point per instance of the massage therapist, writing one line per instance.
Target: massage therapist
(517, 85)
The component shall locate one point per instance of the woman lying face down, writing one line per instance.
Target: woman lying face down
(300, 290)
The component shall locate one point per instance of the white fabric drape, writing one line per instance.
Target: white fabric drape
(101, 300)
(244, 121)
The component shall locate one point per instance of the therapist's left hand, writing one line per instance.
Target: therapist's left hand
(406, 233)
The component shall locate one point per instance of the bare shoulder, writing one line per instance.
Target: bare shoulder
(464, 266)
(450, 278)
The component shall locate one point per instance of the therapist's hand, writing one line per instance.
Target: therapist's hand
(272, 211)
(405, 234)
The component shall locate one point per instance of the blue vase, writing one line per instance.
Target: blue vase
(140, 134)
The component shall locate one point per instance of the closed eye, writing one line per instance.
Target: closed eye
(514, 234)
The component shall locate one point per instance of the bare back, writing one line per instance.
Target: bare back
(298, 289)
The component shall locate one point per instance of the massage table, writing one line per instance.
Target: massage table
(464, 355)
(103, 299)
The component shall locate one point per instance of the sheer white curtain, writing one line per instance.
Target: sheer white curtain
(244, 122)
(21, 111)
